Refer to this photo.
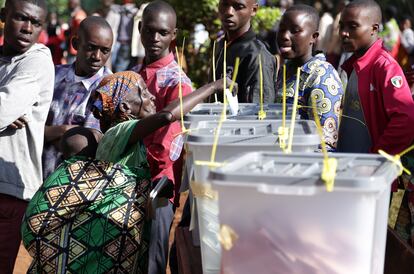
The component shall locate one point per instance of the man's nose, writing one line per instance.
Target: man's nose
(156, 37)
(97, 54)
(229, 11)
(284, 35)
(343, 32)
(27, 27)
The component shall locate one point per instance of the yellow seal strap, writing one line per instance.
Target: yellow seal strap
(283, 131)
(180, 87)
(227, 237)
(205, 190)
(262, 113)
(294, 110)
(329, 164)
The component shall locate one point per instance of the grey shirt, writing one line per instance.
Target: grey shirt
(353, 133)
(26, 88)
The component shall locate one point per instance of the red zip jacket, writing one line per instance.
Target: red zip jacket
(385, 97)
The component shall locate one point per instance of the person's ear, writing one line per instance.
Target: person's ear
(125, 107)
(75, 42)
(255, 7)
(174, 34)
(315, 36)
(375, 28)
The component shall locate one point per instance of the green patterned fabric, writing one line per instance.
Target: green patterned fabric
(89, 215)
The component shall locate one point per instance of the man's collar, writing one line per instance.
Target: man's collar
(160, 63)
(358, 63)
(87, 83)
(10, 59)
(248, 35)
(307, 68)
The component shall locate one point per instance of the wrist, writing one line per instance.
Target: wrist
(168, 115)
(217, 86)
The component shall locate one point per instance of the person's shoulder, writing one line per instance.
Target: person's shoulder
(61, 71)
(37, 59)
(39, 51)
(120, 126)
(321, 73)
(322, 62)
(255, 46)
(117, 133)
(63, 68)
(384, 61)
(169, 76)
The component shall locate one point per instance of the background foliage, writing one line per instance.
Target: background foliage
(191, 12)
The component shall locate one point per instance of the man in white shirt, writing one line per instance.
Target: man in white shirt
(26, 88)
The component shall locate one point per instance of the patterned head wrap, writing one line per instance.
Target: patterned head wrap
(110, 93)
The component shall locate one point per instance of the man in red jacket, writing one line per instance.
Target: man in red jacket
(162, 74)
(378, 109)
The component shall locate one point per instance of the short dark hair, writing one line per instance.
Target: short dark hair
(40, 3)
(93, 21)
(370, 5)
(158, 6)
(309, 10)
(407, 17)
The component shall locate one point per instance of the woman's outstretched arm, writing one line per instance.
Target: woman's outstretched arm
(172, 111)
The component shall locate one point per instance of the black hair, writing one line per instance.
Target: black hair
(390, 12)
(40, 3)
(371, 5)
(79, 141)
(407, 17)
(309, 10)
(159, 6)
(93, 21)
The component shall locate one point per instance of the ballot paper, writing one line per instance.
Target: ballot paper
(233, 102)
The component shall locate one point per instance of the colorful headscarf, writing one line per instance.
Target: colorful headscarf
(110, 93)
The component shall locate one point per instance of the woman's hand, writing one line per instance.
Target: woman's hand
(218, 85)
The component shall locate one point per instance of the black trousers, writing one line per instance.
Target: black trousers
(160, 232)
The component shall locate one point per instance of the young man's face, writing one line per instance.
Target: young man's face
(93, 50)
(23, 24)
(296, 36)
(236, 14)
(157, 33)
(357, 30)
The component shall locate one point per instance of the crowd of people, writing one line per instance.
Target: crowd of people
(82, 143)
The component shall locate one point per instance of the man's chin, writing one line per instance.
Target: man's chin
(348, 48)
(93, 70)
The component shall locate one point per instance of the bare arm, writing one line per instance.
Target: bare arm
(54, 133)
(172, 111)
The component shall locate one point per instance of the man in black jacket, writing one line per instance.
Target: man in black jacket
(242, 42)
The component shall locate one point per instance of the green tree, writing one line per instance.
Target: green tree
(190, 13)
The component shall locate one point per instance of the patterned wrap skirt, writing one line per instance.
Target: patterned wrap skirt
(88, 217)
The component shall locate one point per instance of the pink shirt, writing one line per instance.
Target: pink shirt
(164, 146)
